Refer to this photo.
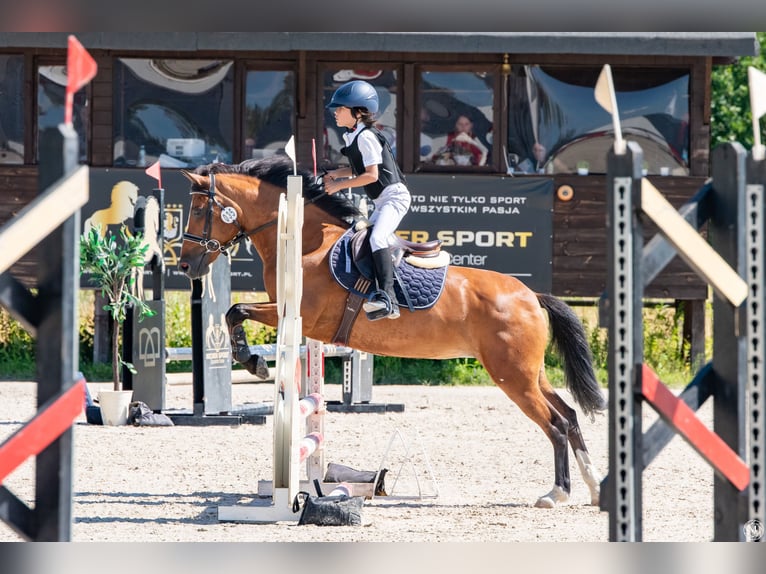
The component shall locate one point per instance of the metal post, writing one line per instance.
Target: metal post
(625, 343)
(729, 344)
(144, 340)
(756, 337)
(57, 343)
(211, 348)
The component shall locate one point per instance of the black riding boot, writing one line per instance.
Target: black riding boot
(384, 274)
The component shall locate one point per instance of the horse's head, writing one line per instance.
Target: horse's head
(214, 225)
(230, 202)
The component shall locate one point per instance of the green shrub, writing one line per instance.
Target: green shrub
(17, 348)
(114, 264)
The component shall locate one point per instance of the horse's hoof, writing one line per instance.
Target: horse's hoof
(242, 354)
(554, 497)
(257, 366)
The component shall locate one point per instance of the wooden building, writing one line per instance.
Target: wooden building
(232, 96)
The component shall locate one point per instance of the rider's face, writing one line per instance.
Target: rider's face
(344, 118)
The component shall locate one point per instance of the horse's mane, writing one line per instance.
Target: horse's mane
(275, 170)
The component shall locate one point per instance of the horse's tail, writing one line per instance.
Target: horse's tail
(571, 341)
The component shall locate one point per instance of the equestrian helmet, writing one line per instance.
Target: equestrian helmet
(356, 94)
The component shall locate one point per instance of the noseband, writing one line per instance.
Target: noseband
(213, 245)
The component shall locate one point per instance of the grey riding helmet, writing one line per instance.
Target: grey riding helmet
(356, 94)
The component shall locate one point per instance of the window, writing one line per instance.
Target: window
(556, 124)
(12, 110)
(456, 118)
(385, 83)
(269, 112)
(51, 96)
(179, 112)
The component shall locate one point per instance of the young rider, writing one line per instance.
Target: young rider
(373, 167)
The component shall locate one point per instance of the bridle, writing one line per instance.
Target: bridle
(213, 245)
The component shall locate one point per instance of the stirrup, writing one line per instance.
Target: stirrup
(380, 306)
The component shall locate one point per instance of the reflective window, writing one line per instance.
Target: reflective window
(51, 96)
(269, 112)
(556, 126)
(456, 115)
(385, 83)
(177, 111)
(12, 110)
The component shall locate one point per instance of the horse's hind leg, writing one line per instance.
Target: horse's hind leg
(524, 390)
(589, 473)
(235, 316)
(555, 427)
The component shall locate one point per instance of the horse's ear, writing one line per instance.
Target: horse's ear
(192, 177)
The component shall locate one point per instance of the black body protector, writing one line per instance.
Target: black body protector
(388, 171)
(382, 302)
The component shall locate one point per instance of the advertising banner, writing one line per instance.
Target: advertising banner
(498, 223)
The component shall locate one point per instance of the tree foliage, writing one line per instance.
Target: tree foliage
(114, 267)
(731, 119)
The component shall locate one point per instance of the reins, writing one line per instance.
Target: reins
(212, 245)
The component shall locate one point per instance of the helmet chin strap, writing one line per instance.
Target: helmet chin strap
(357, 119)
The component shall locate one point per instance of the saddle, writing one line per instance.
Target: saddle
(426, 255)
(420, 270)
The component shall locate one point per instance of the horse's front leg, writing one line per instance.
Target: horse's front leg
(265, 313)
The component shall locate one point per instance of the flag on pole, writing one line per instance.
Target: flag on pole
(290, 151)
(80, 69)
(154, 171)
(607, 99)
(314, 155)
(757, 82)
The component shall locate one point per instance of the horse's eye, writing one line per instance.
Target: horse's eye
(197, 211)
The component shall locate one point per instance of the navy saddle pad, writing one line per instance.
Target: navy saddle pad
(423, 285)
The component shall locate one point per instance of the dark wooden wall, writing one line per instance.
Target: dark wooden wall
(18, 186)
(579, 240)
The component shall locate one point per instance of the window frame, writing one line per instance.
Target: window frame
(325, 66)
(35, 75)
(498, 107)
(620, 72)
(236, 95)
(24, 106)
(241, 70)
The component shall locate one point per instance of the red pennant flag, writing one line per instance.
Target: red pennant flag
(81, 68)
(154, 171)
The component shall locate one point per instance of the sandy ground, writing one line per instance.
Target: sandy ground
(479, 463)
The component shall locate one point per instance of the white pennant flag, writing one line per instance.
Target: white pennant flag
(607, 99)
(757, 82)
(290, 151)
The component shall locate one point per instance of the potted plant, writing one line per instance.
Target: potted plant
(114, 267)
(582, 167)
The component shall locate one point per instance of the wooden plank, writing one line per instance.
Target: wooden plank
(694, 396)
(692, 247)
(53, 419)
(708, 444)
(43, 215)
(658, 252)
